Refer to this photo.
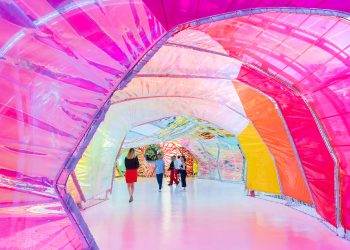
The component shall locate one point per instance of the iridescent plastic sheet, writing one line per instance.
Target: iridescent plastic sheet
(61, 60)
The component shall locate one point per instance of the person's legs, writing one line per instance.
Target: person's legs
(129, 188)
(159, 180)
(131, 191)
(183, 178)
(172, 174)
(176, 179)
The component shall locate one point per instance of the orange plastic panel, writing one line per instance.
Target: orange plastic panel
(264, 115)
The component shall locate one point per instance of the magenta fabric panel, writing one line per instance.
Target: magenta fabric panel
(60, 61)
(332, 105)
(343, 153)
(82, 56)
(172, 13)
(8, 30)
(35, 225)
(315, 158)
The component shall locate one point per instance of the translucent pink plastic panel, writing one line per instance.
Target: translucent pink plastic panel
(332, 104)
(171, 13)
(67, 81)
(30, 221)
(59, 62)
(309, 52)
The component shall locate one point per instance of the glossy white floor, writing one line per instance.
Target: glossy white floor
(209, 215)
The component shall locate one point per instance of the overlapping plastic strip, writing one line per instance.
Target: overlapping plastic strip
(50, 99)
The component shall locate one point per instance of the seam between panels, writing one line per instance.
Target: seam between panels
(217, 158)
(88, 134)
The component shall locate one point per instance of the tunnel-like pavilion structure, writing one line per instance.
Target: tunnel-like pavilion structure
(78, 75)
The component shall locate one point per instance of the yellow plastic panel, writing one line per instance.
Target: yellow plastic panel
(195, 166)
(261, 171)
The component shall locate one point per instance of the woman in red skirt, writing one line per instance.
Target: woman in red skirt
(131, 165)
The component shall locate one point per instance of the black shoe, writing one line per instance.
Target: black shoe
(170, 184)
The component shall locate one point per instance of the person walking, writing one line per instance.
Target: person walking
(173, 176)
(177, 164)
(159, 164)
(131, 166)
(183, 172)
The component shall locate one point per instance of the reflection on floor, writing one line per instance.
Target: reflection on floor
(209, 215)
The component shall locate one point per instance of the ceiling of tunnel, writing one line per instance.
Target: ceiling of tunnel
(181, 128)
